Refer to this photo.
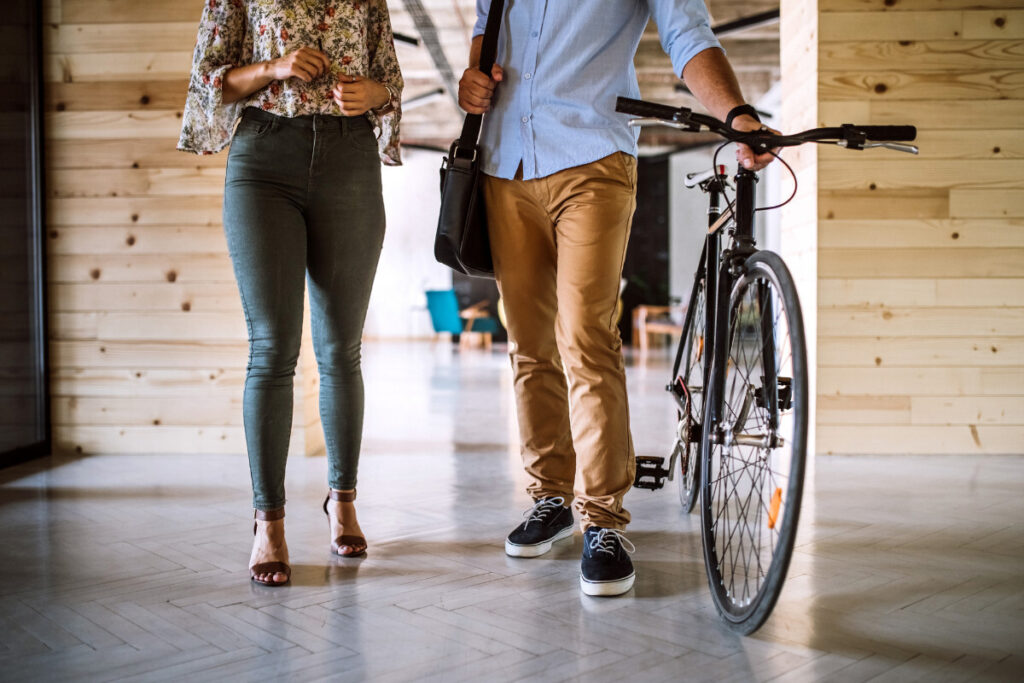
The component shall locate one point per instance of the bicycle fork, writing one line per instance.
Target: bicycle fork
(773, 394)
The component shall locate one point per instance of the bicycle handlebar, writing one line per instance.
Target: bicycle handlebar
(654, 110)
(889, 133)
(847, 135)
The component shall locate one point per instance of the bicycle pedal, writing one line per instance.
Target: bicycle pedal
(784, 391)
(650, 472)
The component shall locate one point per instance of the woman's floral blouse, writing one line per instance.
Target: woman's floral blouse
(354, 34)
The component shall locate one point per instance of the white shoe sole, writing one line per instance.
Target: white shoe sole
(537, 549)
(607, 587)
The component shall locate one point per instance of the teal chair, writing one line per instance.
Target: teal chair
(444, 311)
(445, 316)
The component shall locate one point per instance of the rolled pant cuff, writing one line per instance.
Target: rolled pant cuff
(267, 507)
(541, 495)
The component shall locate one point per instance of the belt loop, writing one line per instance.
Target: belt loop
(344, 125)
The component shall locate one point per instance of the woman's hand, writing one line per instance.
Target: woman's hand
(476, 89)
(242, 81)
(357, 95)
(305, 64)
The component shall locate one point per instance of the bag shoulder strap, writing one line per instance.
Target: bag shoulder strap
(488, 52)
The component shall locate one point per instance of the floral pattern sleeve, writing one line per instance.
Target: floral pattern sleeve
(355, 35)
(384, 69)
(207, 122)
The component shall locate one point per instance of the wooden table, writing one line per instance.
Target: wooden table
(648, 320)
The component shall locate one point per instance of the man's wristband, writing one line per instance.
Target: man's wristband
(740, 111)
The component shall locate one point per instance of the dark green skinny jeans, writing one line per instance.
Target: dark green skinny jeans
(302, 202)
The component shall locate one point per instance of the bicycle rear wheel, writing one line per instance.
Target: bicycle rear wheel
(688, 372)
(753, 461)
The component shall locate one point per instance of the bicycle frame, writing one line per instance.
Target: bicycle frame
(719, 269)
(708, 269)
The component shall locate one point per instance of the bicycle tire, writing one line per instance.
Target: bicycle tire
(691, 342)
(731, 525)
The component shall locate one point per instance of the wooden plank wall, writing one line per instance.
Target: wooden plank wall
(147, 336)
(920, 301)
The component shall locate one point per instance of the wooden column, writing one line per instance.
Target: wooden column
(798, 31)
(919, 310)
(148, 339)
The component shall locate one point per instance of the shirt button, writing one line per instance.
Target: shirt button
(534, 34)
(526, 119)
(528, 76)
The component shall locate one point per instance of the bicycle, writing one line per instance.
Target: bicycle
(739, 377)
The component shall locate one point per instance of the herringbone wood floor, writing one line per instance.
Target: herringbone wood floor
(122, 567)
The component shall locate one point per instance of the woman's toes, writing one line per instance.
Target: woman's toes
(350, 549)
(272, 577)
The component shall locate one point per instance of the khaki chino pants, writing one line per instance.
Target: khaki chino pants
(559, 243)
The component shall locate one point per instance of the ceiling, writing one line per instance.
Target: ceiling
(754, 54)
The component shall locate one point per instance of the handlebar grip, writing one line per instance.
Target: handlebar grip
(889, 133)
(625, 105)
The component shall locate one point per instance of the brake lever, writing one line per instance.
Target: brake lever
(895, 146)
(639, 123)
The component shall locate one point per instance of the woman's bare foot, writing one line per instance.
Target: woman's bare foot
(344, 523)
(269, 546)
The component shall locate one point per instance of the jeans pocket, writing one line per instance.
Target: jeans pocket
(253, 128)
(359, 133)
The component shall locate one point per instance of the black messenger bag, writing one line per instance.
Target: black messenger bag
(462, 242)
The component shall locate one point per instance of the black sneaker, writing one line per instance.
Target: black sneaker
(606, 568)
(546, 522)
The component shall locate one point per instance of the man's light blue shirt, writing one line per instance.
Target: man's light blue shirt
(565, 62)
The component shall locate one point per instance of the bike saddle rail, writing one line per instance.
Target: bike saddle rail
(848, 135)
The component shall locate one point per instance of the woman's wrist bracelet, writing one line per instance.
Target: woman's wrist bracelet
(388, 106)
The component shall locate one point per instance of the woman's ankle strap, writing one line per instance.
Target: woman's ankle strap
(269, 515)
(343, 496)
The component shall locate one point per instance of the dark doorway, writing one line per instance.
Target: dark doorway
(24, 400)
(647, 258)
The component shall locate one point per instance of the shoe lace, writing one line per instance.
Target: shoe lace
(542, 508)
(608, 541)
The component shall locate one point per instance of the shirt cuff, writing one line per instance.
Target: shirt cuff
(479, 26)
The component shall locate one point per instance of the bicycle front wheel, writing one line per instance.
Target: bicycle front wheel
(753, 459)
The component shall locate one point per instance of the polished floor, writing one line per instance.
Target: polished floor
(134, 567)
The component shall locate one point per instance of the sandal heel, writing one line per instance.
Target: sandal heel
(349, 540)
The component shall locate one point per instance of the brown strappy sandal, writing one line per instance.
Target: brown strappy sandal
(269, 567)
(345, 539)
